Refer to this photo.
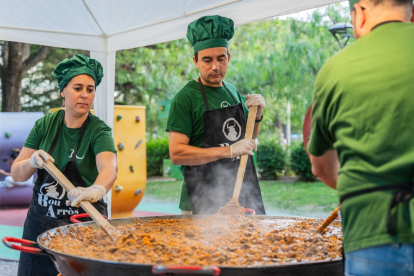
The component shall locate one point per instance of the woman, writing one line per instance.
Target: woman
(80, 145)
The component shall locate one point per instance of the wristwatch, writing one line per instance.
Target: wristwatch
(258, 121)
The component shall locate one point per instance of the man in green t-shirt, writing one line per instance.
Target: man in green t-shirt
(362, 137)
(207, 122)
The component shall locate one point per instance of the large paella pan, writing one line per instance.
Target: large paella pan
(257, 245)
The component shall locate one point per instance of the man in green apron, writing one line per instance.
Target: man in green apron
(362, 137)
(207, 123)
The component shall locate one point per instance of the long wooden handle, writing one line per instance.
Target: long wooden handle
(243, 161)
(329, 220)
(86, 205)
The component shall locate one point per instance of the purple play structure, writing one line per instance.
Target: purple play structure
(14, 129)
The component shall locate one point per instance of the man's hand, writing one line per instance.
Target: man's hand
(36, 160)
(256, 100)
(92, 194)
(241, 147)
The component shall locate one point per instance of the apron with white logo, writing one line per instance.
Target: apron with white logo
(210, 186)
(48, 210)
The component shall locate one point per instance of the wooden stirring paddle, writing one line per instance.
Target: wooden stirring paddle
(329, 220)
(86, 205)
(233, 206)
(243, 161)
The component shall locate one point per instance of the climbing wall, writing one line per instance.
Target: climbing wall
(129, 137)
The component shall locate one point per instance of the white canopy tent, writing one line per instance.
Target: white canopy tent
(106, 26)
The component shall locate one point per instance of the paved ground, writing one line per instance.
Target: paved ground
(12, 220)
(8, 268)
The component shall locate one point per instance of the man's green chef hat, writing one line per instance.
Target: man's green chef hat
(78, 65)
(210, 32)
(351, 4)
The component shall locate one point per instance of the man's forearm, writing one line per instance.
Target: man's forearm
(194, 156)
(326, 167)
(329, 178)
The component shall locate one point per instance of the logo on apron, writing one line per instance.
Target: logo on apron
(225, 104)
(53, 190)
(231, 129)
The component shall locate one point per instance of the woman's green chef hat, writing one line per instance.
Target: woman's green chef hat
(210, 32)
(351, 4)
(79, 64)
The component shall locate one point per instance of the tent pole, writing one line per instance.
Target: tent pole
(104, 97)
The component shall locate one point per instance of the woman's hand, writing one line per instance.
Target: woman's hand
(36, 160)
(91, 194)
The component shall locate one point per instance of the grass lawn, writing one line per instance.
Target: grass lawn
(299, 197)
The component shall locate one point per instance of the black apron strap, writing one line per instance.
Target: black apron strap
(404, 193)
(231, 94)
(53, 145)
(369, 190)
(203, 92)
(80, 137)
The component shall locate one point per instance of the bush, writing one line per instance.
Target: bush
(271, 158)
(301, 164)
(157, 150)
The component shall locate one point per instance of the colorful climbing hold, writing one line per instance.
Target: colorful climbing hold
(121, 146)
(139, 143)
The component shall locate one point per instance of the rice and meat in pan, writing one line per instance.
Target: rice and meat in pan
(220, 240)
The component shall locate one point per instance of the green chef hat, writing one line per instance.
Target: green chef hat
(79, 64)
(351, 4)
(210, 32)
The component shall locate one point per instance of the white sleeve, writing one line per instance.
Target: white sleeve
(9, 180)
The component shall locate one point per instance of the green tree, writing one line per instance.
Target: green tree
(40, 88)
(16, 59)
(276, 58)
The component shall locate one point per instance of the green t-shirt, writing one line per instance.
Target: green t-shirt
(187, 116)
(363, 108)
(97, 138)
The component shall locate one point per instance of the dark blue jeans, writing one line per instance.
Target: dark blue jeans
(395, 259)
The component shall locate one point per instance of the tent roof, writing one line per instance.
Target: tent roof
(108, 25)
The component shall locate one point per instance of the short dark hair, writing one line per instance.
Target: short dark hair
(196, 55)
